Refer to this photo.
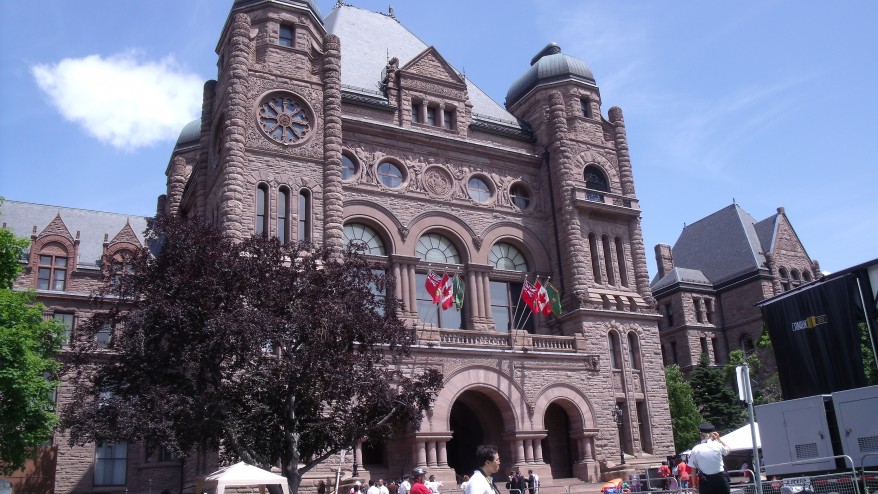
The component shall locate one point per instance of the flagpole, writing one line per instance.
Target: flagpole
(517, 304)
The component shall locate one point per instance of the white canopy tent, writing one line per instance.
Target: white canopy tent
(241, 474)
(741, 439)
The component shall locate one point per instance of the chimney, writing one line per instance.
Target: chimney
(664, 259)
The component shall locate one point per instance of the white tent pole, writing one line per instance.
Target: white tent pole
(338, 472)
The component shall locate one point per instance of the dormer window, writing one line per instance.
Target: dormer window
(448, 119)
(52, 274)
(285, 37)
(416, 112)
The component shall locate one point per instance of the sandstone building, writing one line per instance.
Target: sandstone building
(708, 284)
(349, 128)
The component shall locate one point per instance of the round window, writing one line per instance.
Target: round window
(520, 196)
(478, 189)
(348, 168)
(390, 175)
(285, 118)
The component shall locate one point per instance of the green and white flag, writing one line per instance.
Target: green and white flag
(554, 299)
(458, 292)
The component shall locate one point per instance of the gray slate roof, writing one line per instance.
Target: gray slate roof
(682, 275)
(21, 217)
(724, 245)
(369, 39)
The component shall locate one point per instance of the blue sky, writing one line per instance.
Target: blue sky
(767, 103)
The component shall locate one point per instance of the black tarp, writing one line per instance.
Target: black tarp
(816, 339)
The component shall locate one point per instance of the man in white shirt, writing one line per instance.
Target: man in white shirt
(433, 485)
(707, 459)
(481, 481)
(405, 485)
(373, 488)
(533, 482)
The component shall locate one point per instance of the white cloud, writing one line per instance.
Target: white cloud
(123, 100)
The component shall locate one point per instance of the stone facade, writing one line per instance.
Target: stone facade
(707, 301)
(434, 176)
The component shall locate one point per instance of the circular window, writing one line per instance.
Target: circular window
(348, 168)
(595, 179)
(390, 175)
(520, 196)
(285, 119)
(478, 189)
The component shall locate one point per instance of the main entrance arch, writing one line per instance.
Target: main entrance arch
(473, 421)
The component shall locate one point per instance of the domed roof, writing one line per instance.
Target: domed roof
(549, 65)
(311, 4)
(190, 134)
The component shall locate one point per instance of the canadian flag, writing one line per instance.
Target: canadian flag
(543, 299)
(446, 295)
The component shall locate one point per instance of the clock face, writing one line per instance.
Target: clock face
(284, 118)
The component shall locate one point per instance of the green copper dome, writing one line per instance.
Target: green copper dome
(549, 65)
(190, 134)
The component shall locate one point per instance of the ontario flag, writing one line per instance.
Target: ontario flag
(529, 295)
(434, 285)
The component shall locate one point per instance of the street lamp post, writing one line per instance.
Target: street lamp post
(617, 416)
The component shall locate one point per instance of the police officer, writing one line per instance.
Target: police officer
(707, 459)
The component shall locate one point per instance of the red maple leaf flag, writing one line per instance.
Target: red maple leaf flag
(433, 284)
(446, 294)
(543, 299)
(529, 296)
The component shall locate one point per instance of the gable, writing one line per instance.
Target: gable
(430, 64)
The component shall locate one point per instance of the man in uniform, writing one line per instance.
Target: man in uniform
(488, 460)
(707, 459)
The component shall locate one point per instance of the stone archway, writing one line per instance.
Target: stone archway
(473, 421)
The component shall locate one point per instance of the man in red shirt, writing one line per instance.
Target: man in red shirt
(418, 486)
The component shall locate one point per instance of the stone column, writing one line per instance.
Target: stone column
(626, 177)
(431, 453)
(421, 453)
(202, 167)
(333, 209)
(234, 193)
(443, 453)
(538, 450)
(519, 450)
(529, 450)
(406, 282)
(638, 257)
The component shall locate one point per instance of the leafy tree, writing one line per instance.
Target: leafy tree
(868, 356)
(685, 416)
(28, 345)
(266, 352)
(717, 399)
(764, 385)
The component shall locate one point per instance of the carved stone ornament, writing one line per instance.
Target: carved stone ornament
(437, 182)
(285, 118)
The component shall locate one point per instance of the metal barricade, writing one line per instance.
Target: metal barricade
(845, 482)
(549, 489)
(869, 478)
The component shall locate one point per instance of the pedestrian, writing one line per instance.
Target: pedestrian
(405, 485)
(357, 488)
(373, 487)
(482, 481)
(381, 487)
(393, 487)
(664, 473)
(418, 486)
(517, 482)
(707, 460)
(464, 482)
(433, 485)
(683, 473)
(533, 482)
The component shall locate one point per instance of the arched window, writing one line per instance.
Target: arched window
(52, 271)
(305, 215)
(283, 214)
(595, 182)
(806, 275)
(784, 279)
(507, 257)
(433, 247)
(262, 209)
(608, 260)
(364, 236)
(436, 249)
(634, 349)
(620, 262)
(505, 309)
(794, 274)
(615, 350)
(595, 259)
